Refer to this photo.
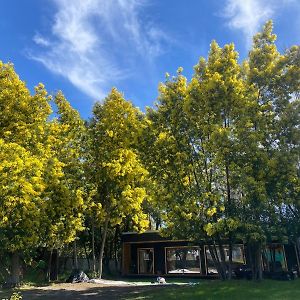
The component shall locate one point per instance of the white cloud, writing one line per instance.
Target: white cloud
(96, 43)
(39, 40)
(249, 15)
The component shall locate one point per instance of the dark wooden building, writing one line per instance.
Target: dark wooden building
(149, 254)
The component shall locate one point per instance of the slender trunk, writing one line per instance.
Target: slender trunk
(150, 223)
(86, 255)
(15, 269)
(229, 203)
(218, 264)
(75, 255)
(259, 268)
(249, 252)
(256, 262)
(230, 258)
(102, 247)
(93, 247)
(254, 267)
(48, 275)
(157, 224)
(297, 248)
(65, 259)
(116, 247)
(222, 257)
(273, 258)
(56, 265)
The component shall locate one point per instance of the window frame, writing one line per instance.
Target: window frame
(182, 247)
(138, 260)
(206, 247)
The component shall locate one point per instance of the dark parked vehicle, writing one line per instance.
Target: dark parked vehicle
(243, 272)
(276, 273)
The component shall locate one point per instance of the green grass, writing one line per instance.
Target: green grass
(208, 290)
(237, 289)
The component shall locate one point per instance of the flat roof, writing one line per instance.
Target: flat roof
(135, 232)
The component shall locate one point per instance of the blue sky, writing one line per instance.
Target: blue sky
(85, 47)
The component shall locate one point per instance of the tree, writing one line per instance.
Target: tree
(215, 104)
(194, 146)
(267, 142)
(21, 187)
(215, 147)
(22, 163)
(114, 164)
(64, 177)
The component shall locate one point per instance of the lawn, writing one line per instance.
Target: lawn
(238, 289)
(197, 289)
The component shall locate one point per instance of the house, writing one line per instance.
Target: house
(150, 254)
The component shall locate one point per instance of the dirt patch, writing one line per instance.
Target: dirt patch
(78, 291)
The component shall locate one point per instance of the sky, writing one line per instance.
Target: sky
(86, 47)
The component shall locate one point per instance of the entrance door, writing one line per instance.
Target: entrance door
(146, 261)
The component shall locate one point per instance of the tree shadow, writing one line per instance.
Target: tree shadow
(93, 292)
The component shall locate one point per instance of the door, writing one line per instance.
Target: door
(146, 261)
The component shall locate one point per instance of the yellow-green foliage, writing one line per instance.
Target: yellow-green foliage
(21, 177)
(214, 145)
(41, 194)
(65, 192)
(23, 157)
(115, 166)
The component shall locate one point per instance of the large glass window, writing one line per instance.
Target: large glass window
(237, 257)
(183, 260)
(146, 261)
(274, 258)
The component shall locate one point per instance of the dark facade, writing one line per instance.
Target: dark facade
(149, 254)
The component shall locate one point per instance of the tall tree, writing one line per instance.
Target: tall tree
(23, 156)
(65, 178)
(114, 164)
(266, 141)
(215, 147)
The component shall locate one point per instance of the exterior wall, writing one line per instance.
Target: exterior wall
(130, 252)
(132, 242)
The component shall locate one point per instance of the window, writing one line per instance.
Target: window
(273, 257)
(183, 260)
(237, 257)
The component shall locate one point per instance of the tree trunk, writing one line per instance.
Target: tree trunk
(250, 255)
(298, 252)
(253, 253)
(75, 255)
(229, 215)
(102, 247)
(230, 258)
(56, 265)
(93, 247)
(256, 261)
(15, 269)
(48, 275)
(259, 267)
(86, 256)
(222, 257)
(116, 248)
(215, 257)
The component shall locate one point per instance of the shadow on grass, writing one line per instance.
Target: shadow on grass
(92, 292)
